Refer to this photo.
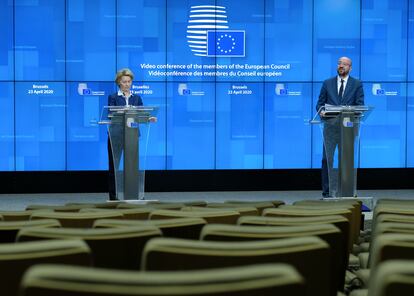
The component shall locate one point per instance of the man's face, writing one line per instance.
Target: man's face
(125, 83)
(344, 66)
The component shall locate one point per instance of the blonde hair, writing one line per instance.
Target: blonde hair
(123, 72)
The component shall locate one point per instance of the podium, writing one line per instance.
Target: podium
(340, 128)
(128, 129)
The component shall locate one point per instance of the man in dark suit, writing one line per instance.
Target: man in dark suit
(123, 97)
(341, 90)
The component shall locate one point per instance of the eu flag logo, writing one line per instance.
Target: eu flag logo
(226, 43)
(86, 91)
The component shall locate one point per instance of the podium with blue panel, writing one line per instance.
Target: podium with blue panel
(128, 129)
(340, 126)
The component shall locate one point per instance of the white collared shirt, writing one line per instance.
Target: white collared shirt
(338, 82)
(120, 93)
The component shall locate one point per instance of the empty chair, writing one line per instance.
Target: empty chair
(395, 218)
(388, 246)
(108, 205)
(264, 280)
(195, 203)
(393, 278)
(401, 209)
(76, 220)
(111, 247)
(179, 227)
(393, 227)
(382, 228)
(342, 209)
(392, 201)
(311, 256)
(354, 205)
(153, 205)
(243, 211)
(397, 209)
(100, 205)
(259, 205)
(190, 203)
(128, 214)
(328, 232)
(41, 207)
(9, 229)
(339, 221)
(218, 216)
(251, 210)
(15, 259)
(16, 215)
(293, 211)
(385, 224)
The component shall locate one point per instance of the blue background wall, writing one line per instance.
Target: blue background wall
(218, 114)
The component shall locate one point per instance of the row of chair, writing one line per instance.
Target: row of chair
(387, 255)
(186, 236)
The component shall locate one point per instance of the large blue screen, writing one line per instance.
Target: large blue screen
(236, 81)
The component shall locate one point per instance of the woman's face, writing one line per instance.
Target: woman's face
(125, 83)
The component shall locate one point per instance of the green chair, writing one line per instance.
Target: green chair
(153, 206)
(328, 232)
(354, 205)
(263, 280)
(296, 211)
(218, 216)
(259, 205)
(311, 256)
(15, 259)
(76, 220)
(128, 214)
(9, 229)
(179, 228)
(393, 278)
(111, 247)
(16, 215)
(243, 211)
(386, 246)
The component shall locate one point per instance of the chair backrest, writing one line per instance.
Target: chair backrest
(395, 218)
(219, 216)
(153, 206)
(354, 205)
(9, 229)
(15, 259)
(264, 280)
(395, 201)
(293, 211)
(111, 247)
(195, 203)
(339, 221)
(73, 207)
(259, 205)
(76, 220)
(392, 278)
(328, 232)
(382, 209)
(311, 256)
(16, 215)
(243, 211)
(342, 209)
(179, 228)
(390, 246)
(128, 214)
(393, 227)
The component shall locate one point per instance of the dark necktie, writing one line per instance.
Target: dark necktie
(341, 89)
